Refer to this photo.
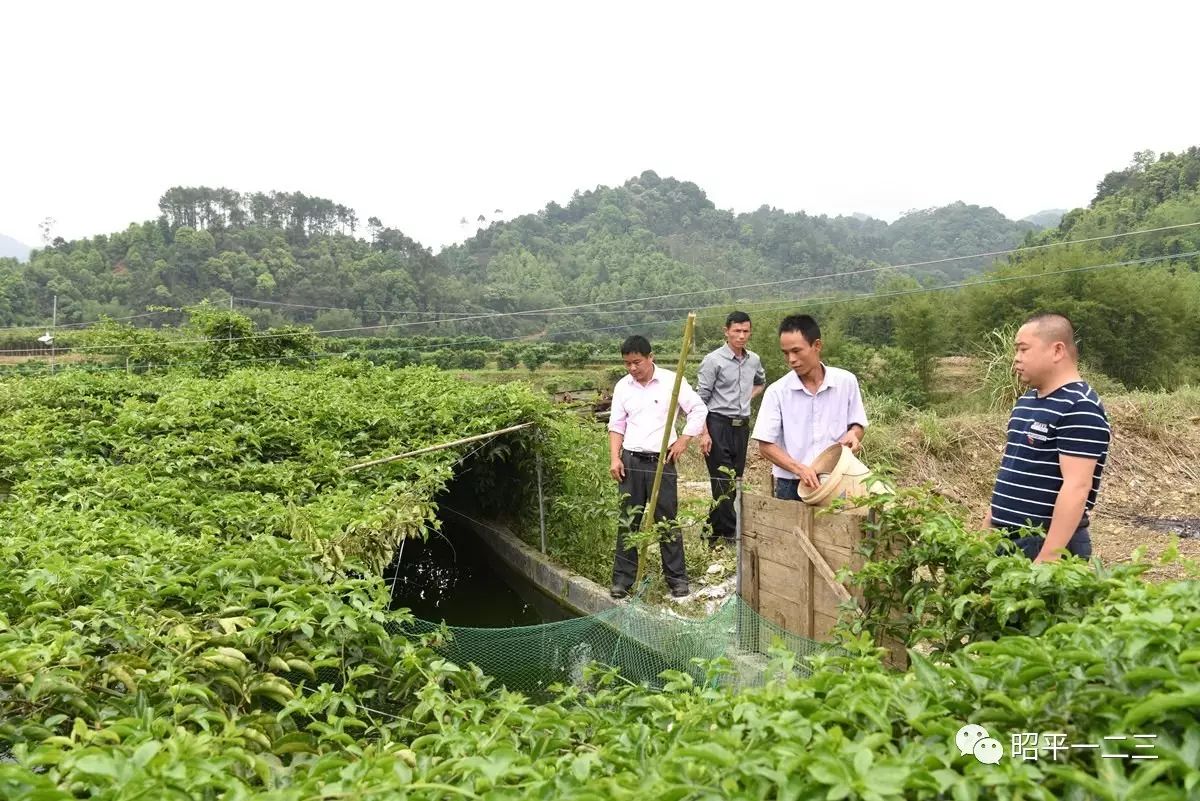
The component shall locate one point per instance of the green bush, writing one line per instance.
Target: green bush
(508, 358)
(443, 359)
(472, 359)
(576, 356)
(534, 356)
(407, 357)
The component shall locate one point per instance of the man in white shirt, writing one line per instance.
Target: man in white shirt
(807, 410)
(635, 431)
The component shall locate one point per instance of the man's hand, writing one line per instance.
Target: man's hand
(852, 439)
(807, 476)
(705, 443)
(1043, 556)
(677, 448)
(616, 470)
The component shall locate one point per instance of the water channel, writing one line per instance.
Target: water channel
(454, 577)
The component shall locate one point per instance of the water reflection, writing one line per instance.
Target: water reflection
(454, 577)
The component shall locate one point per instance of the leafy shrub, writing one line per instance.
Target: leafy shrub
(472, 359)
(443, 359)
(576, 355)
(508, 358)
(534, 356)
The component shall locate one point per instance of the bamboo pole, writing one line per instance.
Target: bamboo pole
(648, 512)
(541, 501)
(441, 447)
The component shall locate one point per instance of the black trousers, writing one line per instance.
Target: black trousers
(639, 480)
(729, 443)
(1079, 545)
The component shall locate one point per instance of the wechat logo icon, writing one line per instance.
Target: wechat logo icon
(972, 739)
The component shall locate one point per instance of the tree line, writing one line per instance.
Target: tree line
(650, 237)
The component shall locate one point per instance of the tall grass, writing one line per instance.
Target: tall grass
(1001, 387)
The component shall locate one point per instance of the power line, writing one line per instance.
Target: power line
(799, 279)
(494, 315)
(465, 316)
(42, 327)
(826, 300)
(451, 316)
(342, 308)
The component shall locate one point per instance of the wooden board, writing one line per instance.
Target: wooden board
(782, 582)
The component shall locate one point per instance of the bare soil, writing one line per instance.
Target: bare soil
(1149, 497)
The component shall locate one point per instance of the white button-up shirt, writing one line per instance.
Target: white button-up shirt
(639, 412)
(804, 424)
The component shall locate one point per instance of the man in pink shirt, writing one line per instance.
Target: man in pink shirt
(810, 408)
(635, 431)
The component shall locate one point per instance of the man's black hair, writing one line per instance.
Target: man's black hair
(803, 324)
(1055, 326)
(636, 344)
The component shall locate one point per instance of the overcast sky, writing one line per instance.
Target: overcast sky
(422, 114)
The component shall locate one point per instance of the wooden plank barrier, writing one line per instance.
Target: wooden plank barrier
(791, 553)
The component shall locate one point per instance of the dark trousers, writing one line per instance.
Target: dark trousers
(1079, 545)
(787, 489)
(729, 444)
(639, 480)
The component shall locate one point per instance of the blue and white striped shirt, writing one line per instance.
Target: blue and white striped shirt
(1070, 420)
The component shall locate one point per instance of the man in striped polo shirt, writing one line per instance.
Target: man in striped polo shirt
(1058, 438)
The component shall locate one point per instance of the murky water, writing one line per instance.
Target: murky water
(455, 578)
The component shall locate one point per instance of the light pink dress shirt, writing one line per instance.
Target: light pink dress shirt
(640, 412)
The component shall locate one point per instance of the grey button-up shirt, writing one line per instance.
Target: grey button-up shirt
(725, 381)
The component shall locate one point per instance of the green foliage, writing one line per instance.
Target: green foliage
(180, 618)
(614, 374)
(534, 356)
(510, 357)
(576, 356)
(472, 359)
(648, 237)
(179, 604)
(1133, 324)
(584, 504)
(933, 580)
(443, 359)
(407, 357)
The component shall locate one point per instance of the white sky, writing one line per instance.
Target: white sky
(422, 115)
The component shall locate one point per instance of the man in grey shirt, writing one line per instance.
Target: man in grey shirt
(730, 377)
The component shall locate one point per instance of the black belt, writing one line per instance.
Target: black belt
(643, 456)
(736, 422)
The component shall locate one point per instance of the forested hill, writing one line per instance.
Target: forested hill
(649, 236)
(654, 236)
(1130, 281)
